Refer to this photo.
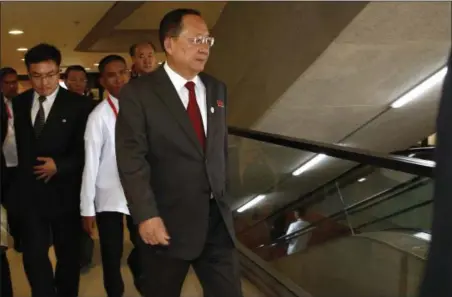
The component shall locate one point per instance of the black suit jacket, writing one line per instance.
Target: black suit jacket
(4, 131)
(437, 281)
(61, 139)
(162, 166)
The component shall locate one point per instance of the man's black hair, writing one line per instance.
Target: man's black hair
(108, 59)
(41, 53)
(6, 71)
(74, 68)
(171, 24)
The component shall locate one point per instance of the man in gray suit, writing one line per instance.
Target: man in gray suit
(171, 145)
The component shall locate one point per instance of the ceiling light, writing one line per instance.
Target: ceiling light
(16, 32)
(22, 49)
(308, 165)
(22, 59)
(251, 203)
(160, 63)
(362, 179)
(96, 64)
(87, 68)
(420, 88)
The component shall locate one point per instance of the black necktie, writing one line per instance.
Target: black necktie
(40, 119)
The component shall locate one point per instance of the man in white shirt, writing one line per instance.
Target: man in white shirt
(102, 196)
(298, 243)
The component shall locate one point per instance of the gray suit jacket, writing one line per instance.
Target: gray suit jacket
(162, 167)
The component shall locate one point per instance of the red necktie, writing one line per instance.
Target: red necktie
(195, 114)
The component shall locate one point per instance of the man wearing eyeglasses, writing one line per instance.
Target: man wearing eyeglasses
(171, 145)
(49, 122)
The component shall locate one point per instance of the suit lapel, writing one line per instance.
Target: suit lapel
(210, 103)
(53, 119)
(169, 96)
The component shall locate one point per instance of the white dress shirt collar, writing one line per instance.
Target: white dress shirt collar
(179, 81)
(50, 98)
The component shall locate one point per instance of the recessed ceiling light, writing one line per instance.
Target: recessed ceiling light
(88, 68)
(96, 64)
(362, 179)
(22, 49)
(22, 59)
(16, 32)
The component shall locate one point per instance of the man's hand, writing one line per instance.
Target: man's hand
(153, 232)
(88, 224)
(46, 170)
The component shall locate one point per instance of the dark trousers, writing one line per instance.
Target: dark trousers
(111, 236)
(86, 249)
(65, 230)
(6, 285)
(8, 177)
(217, 267)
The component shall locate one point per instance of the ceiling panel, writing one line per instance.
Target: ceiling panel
(386, 50)
(41, 24)
(149, 15)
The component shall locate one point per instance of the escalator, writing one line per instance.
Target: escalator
(365, 216)
(366, 221)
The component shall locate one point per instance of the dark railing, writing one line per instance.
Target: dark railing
(399, 163)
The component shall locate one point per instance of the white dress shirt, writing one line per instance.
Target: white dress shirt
(200, 90)
(9, 146)
(299, 243)
(101, 186)
(47, 105)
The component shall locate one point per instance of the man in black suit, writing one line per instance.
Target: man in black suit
(9, 86)
(171, 142)
(50, 123)
(6, 289)
(438, 271)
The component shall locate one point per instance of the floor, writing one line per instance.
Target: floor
(91, 284)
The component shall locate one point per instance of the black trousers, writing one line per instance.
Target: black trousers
(6, 285)
(217, 267)
(65, 230)
(86, 249)
(13, 222)
(111, 236)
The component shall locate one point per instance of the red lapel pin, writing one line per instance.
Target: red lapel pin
(220, 103)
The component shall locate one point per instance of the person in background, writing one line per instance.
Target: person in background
(298, 243)
(6, 289)
(438, 270)
(9, 86)
(49, 122)
(143, 58)
(102, 196)
(171, 149)
(76, 80)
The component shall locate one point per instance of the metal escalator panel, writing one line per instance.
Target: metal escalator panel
(298, 204)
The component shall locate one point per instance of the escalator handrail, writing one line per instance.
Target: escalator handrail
(399, 163)
(352, 209)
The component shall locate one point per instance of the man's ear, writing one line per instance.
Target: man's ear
(168, 44)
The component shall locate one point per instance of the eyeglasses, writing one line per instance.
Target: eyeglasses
(209, 40)
(42, 77)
